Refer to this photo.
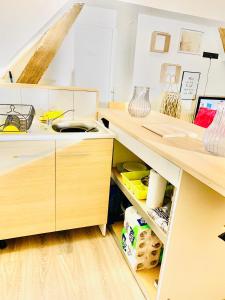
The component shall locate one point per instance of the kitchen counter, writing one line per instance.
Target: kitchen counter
(44, 132)
(196, 219)
(185, 152)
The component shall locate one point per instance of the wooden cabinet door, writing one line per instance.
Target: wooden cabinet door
(27, 188)
(82, 183)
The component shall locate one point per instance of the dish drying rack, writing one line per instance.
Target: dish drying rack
(19, 115)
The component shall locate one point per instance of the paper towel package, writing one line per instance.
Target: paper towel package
(141, 246)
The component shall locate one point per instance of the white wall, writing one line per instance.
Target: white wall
(93, 44)
(206, 9)
(148, 64)
(20, 21)
(85, 57)
(99, 50)
(124, 51)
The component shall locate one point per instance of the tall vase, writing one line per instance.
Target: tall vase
(140, 105)
(171, 104)
(214, 137)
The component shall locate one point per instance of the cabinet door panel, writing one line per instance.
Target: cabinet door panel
(27, 188)
(82, 183)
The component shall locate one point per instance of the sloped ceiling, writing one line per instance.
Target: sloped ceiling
(20, 21)
(213, 10)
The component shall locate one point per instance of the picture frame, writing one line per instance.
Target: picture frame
(170, 73)
(160, 42)
(189, 85)
(190, 41)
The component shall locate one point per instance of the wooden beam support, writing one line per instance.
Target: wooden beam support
(48, 47)
(222, 35)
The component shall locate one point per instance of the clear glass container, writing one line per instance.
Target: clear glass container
(214, 137)
(140, 105)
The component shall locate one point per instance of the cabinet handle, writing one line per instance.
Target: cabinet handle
(28, 155)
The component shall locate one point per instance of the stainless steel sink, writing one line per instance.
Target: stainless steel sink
(75, 127)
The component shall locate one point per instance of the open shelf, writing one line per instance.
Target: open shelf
(144, 278)
(139, 205)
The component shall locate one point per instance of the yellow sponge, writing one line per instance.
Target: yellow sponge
(50, 115)
(11, 129)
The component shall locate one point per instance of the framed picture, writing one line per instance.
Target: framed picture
(170, 73)
(190, 41)
(189, 85)
(160, 42)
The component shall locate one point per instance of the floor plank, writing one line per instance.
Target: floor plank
(77, 264)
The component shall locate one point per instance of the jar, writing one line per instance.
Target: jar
(214, 137)
(140, 105)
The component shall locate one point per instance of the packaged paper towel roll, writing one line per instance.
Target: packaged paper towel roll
(133, 218)
(141, 246)
(156, 190)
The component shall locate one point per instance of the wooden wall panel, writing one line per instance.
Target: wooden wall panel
(222, 35)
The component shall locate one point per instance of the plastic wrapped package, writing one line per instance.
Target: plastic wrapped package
(141, 246)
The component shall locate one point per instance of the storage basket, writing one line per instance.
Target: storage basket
(19, 115)
(132, 180)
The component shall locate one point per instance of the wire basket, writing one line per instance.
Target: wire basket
(19, 115)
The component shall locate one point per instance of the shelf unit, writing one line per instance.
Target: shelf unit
(139, 205)
(144, 278)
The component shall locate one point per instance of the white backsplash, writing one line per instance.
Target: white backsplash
(82, 101)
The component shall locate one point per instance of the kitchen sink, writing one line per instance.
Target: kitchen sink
(75, 127)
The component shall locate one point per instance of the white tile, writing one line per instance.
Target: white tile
(85, 104)
(36, 97)
(10, 95)
(61, 100)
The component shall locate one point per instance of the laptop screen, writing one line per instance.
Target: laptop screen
(206, 110)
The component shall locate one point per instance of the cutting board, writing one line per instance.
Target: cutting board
(166, 130)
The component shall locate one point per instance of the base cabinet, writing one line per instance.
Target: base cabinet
(27, 188)
(82, 183)
(53, 185)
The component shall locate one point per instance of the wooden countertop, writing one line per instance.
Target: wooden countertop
(185, 152)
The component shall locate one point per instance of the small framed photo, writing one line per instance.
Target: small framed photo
(190, 41)
(160, 42)
(189, 85)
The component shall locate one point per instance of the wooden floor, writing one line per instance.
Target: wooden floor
(72, 265)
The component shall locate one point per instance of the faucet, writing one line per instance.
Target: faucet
(50, 121)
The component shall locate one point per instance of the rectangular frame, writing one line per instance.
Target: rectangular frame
(193, 88)
(192, 43)
(155, 36)
(164, 74)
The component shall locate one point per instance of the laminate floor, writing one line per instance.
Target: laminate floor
(71, 265)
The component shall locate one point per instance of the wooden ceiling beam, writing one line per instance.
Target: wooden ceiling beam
(222, 35)
(48, 47)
